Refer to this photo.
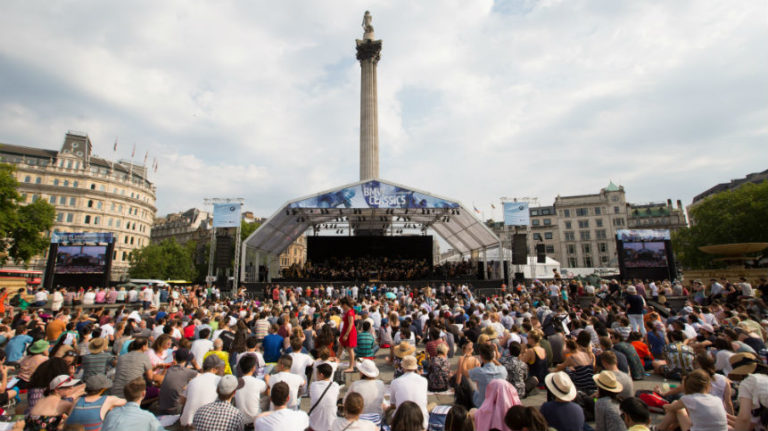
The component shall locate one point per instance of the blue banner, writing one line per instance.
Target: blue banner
(374, 194)
(226, 215)
(516, 214)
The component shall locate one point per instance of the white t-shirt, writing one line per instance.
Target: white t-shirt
(199, 348)
(282, 420)
(706, 412)
(294, 383)
(200, 391)
(107, 330)
(410, 387)
(372, 392)
(323, 415)
(248, 398)
(299, 366)
(342, 424)
(723, 361)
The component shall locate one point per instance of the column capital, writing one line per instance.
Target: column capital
(368, 50)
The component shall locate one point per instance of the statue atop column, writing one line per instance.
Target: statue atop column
(367, 27)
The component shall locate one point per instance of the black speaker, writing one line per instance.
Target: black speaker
(541, 256)
(223, 251)
(519, 249)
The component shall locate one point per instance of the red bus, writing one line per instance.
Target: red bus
(32, 277)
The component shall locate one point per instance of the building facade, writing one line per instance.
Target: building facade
(190, 225)
(657, 216)
(755, 177)
(90, 194)
(295, 254)
(588, 225)
(545, 230)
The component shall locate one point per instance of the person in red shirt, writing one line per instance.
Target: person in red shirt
(348, 338)
(636, 339)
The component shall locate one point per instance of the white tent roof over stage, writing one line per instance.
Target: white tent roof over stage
(372, 206)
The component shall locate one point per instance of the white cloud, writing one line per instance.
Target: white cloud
(477, 99)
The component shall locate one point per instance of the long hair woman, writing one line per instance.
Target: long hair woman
(525, 418)
(408, 417)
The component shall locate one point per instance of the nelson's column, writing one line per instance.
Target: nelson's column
(368, 53)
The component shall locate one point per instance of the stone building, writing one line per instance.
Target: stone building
(90, 194)
(296, 253)
(755, 177)
(190, 225)
(588, 225)
(544, 230)
(657, 216)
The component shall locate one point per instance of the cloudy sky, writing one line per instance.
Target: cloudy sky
(477, 99)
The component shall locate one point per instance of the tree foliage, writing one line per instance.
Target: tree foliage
(734, 216)
(167, 260)
(246, 229)
(21, 226)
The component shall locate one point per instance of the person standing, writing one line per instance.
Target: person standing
(635, 305)
(348, 338)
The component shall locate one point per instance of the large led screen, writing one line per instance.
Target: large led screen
(81, 259)
(645, 254)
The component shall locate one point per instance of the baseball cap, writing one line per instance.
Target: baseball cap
(229, 383)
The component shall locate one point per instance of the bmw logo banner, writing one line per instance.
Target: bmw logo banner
(226, 215)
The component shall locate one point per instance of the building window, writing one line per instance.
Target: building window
(546, 211)
(618, 222)
(537, 237)
(584, 235)
(69, 217)
(567, 225)
(586, 248)
(62, 200)
(74, 184)
(66, 183)
(113, 206)
(547, 235)
(60, 217)
(600, 234)
(582, 212)
(614, 198)
(102, 188)
(131, 240)
(117, 223)
(571, 249)
(603, 247)
(125, 240)
(547, 222)
(72, 201)
(87, 219)
(588, 261)
(38, 180)
(572, 262)
(98, 204)
(616, 210)
(604, 259)
(566, 213)
(597, 210)
(90, 204)
(599, 222)
(93, 186)
(583, 224)
(124, 256)
(534, 212)
(550, 249)
(27, 179)
(569, 236)
(96, 220)
(69, 164)
(52, 200)
(109, 222)
(535, 222)
(56, 182)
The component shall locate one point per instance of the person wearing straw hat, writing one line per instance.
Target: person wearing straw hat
(97, 359)
(401, 351)
(410, 387)
(753, 389)
(562, 413)
(607, 413)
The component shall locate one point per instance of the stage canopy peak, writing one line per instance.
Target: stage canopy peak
(375, 207)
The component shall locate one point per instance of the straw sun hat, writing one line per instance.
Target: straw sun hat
(404, 349)
(560, 385)
(607, 380)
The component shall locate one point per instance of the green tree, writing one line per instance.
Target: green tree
(728, 217)
(21, 226)
(167, 260)
(246, 229)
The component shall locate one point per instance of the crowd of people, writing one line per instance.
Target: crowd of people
(201, 361)
(377, 268)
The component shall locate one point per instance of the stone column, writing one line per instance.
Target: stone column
(368, 53)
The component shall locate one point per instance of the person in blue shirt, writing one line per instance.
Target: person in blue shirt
(18, 344)
(131, 416)
(272, 345)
